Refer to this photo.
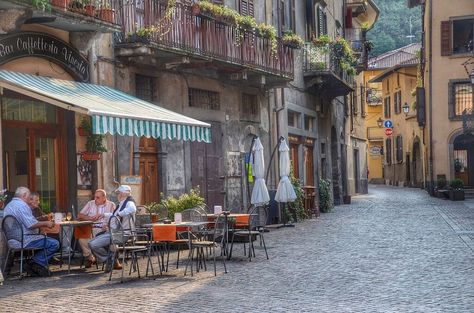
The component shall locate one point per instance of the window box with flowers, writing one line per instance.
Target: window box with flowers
(292, 40)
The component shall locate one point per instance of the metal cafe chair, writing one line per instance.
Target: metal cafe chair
(199, 245)
(256, 228)
(15, 241)
(119, 237)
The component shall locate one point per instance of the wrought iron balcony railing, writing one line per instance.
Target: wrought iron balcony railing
(319, 60)
(182, 32)
(358, 41)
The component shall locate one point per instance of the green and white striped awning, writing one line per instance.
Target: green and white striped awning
(112, 111)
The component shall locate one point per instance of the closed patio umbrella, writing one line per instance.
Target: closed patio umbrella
(285, 191)
(260, 192)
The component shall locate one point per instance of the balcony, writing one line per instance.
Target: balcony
(323, 72)
(357, 39)
(375, 133)
(71, 15)
(201, 43)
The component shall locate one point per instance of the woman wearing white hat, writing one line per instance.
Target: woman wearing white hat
(126, 209)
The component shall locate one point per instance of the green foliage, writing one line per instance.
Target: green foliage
(325, 198)
(344, 54)
(456, 184)
(42, 5)
(298, 205)
(322, 41)
(268, 31)
(94, 143)
(185, 201)
(291, 39)
(441, 183)
(156, 208)
(393, 26)
(45, 206)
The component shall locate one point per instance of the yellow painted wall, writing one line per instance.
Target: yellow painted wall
(444, 68)
(374, 112)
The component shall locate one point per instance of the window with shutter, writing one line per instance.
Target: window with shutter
(388, 151)
(246, 7)
(399, 152)
(362, 101)
(397, 102)
(445, 38)
(386, 107)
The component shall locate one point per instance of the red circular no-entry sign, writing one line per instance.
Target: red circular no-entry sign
(388, 131)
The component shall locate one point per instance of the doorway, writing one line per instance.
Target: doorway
(463, 158)
(148, 169)
(34, 148)
(356, 171)
(207, 167)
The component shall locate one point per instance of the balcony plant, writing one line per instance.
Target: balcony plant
(345, 56)
(76, 6)
(42, 5)
(89, 7)
(268, 31)
(456, 192)
(106, 13)
(61, 4)
(292, 40)
(322, 41)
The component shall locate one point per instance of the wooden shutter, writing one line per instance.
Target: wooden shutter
(420, 106)
(246, 7)
(446, 38)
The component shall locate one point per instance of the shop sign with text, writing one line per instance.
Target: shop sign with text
(29, 44)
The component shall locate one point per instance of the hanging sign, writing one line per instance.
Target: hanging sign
(28, 44)
(375, 150)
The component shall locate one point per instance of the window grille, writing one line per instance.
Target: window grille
(249, 109)
(204, 99)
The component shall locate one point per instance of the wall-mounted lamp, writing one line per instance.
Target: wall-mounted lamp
(406, 108)
(380, 122)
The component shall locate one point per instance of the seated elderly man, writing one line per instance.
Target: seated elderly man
(94, 211)
(125, 210)
(20, 209)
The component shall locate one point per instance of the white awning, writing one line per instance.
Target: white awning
(112, 111)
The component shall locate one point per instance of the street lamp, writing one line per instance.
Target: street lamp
(406, 108)
(380, 122)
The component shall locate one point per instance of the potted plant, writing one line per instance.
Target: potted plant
(156, 210)
(185, 201)
(89, 7)
(62, 4)
(85, 127)
(440, 189)
(456, 192)
(325, 199)
(106, 13)
(94, 145)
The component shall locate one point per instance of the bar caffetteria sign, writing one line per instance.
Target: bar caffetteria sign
(45, 46)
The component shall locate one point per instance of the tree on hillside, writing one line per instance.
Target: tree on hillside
(392, 29)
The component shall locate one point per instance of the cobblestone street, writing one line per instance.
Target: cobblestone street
(393, 250)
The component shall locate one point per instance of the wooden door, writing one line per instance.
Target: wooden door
(309, 167)
(294, 159)
(207, 167)
(148, 169)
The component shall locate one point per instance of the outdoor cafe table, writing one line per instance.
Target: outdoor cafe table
(71, 225)
(241, 219)
(189, 225)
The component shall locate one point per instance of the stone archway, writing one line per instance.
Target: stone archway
(462, 158)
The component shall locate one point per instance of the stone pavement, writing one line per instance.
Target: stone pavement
(394, 250)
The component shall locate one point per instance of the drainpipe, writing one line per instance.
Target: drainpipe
(430, 93)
